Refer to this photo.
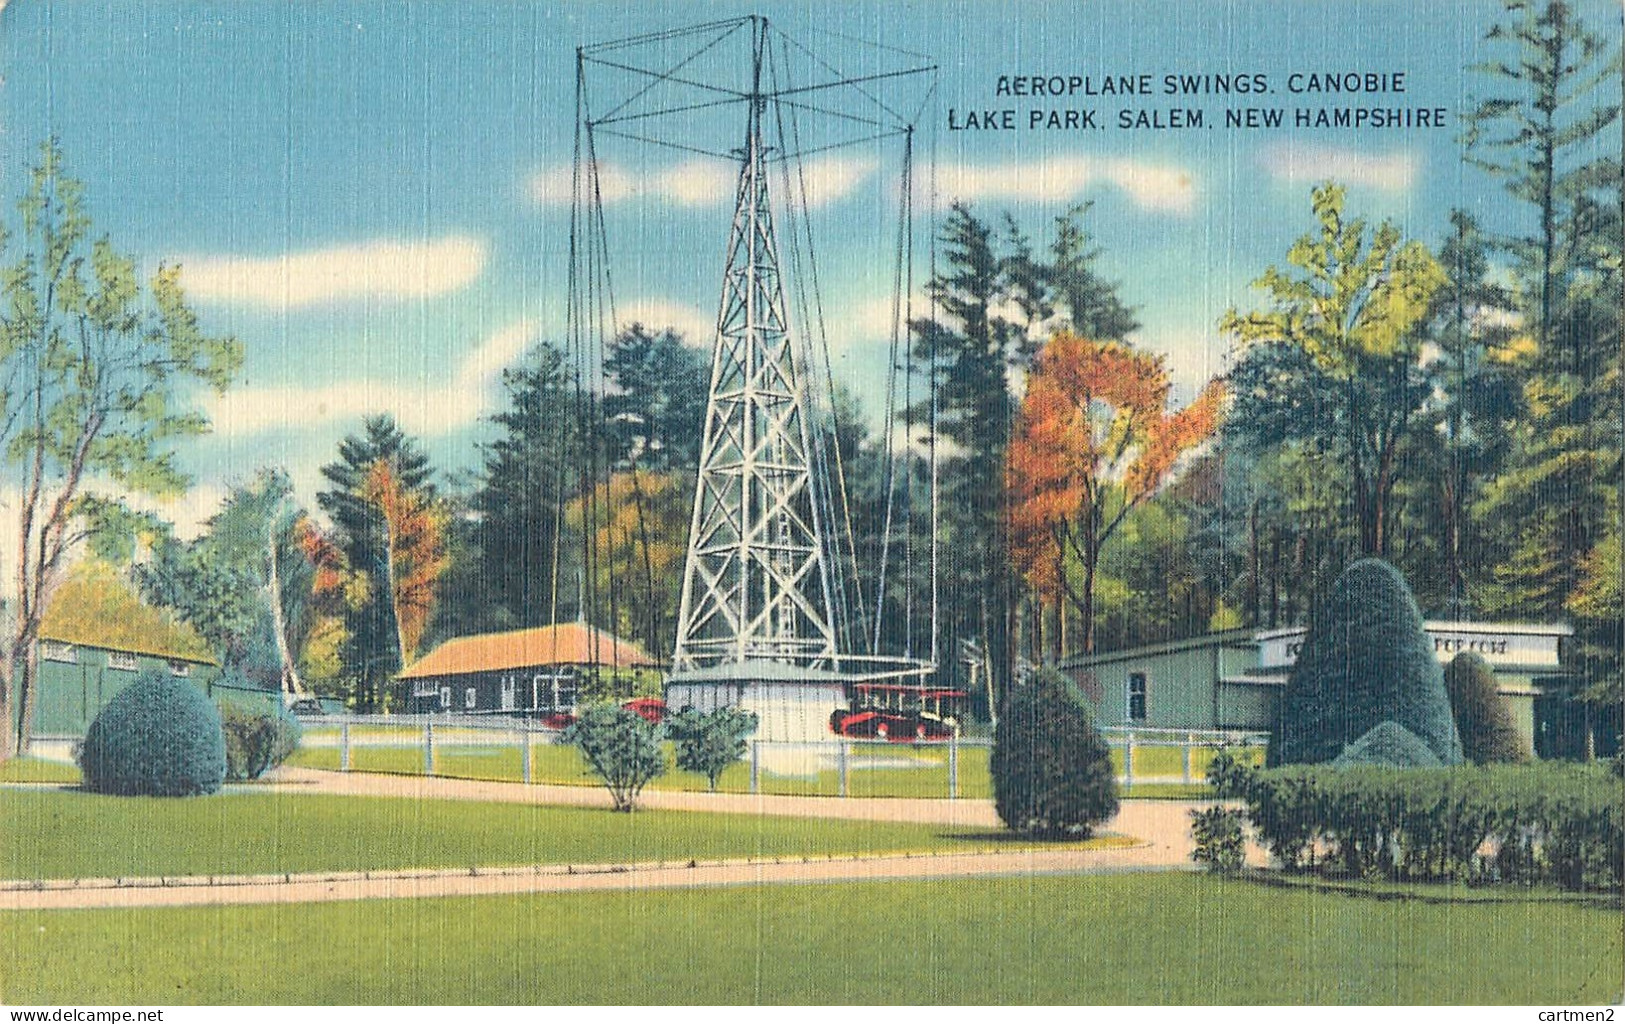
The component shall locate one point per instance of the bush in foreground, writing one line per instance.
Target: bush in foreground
(160, 736)
(256, 741)
(1537, 824)
(622, 748)
(1367, 660)
(1052, 772)
(1220, 839)
(1483, 719)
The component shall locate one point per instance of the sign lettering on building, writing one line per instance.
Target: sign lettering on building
(1501, 646)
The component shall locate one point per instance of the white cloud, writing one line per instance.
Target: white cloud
(427, 407)
(1193, 356)
(1310, 164)
(700, 182)
(377, 269)
(1164, 188)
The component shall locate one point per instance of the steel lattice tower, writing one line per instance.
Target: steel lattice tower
(755, 583)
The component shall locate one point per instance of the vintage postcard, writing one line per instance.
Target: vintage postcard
(860, 503)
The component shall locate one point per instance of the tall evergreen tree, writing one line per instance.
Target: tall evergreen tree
(372, 653)
(530, 478)
(1548, 127)
(974, 350)
(655, 410)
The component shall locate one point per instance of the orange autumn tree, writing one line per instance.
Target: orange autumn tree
(1094, 440)
(415, 551)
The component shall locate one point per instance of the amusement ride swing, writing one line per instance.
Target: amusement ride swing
(773, 618)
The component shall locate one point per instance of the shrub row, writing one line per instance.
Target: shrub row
(1549, 823)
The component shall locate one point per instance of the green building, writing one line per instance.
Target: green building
(1232, 680)
(79, 675)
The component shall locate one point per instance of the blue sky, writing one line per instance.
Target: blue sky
(366, 194)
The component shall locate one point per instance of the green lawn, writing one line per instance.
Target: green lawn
(1166, 939)
(33, 769)
(62, 834)
(873, 769)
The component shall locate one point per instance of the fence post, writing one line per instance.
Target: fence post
(344, 746)
(1190, 742)
(524, 751)
(841, 758)
(428, 748)
(755, 767)
(1128, 761)
(953, 765)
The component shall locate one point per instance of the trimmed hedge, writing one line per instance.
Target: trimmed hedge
(1537, 824)
(256, 741)
(159, 736)
(1052, 772)
(1483, 719)
(1367, 660)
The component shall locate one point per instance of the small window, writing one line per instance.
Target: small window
(423, 688)
(445, 697)
(1137, 688)
(471, 698)
(509, 692)
(124, 661)
(56, 650)
(180, 668)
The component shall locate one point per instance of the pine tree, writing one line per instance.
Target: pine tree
(372, 652)
(1547, 127)
(530, 478)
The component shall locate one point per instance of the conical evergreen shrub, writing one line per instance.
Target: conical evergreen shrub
(1483, 719)
(1389, 745)
(1052, 771)
(1366, 660)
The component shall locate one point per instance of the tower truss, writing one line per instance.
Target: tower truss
(755, 580)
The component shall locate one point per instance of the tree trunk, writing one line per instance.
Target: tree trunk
(292, 685)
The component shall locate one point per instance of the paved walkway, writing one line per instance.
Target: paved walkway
(1161, 829)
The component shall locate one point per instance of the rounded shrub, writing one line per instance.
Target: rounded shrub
(160, 736)
(1052, 772)
(1483, 719)
(256, 741)
(1367, 660)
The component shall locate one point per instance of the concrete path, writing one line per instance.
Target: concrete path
(1160, 828)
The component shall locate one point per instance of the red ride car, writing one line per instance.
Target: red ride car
(899, 713)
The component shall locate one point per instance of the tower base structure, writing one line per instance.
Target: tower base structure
(792, 704)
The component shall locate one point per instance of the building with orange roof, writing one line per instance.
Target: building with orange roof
(534, 672)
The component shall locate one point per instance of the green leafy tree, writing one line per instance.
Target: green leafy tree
(1052, 772)
(708, 742)
(621, 747)
(1351, 305)
(99, 371)
(1366, 660)
(245, 583)
(1483, 719)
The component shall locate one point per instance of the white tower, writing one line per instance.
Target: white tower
(754, 625)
